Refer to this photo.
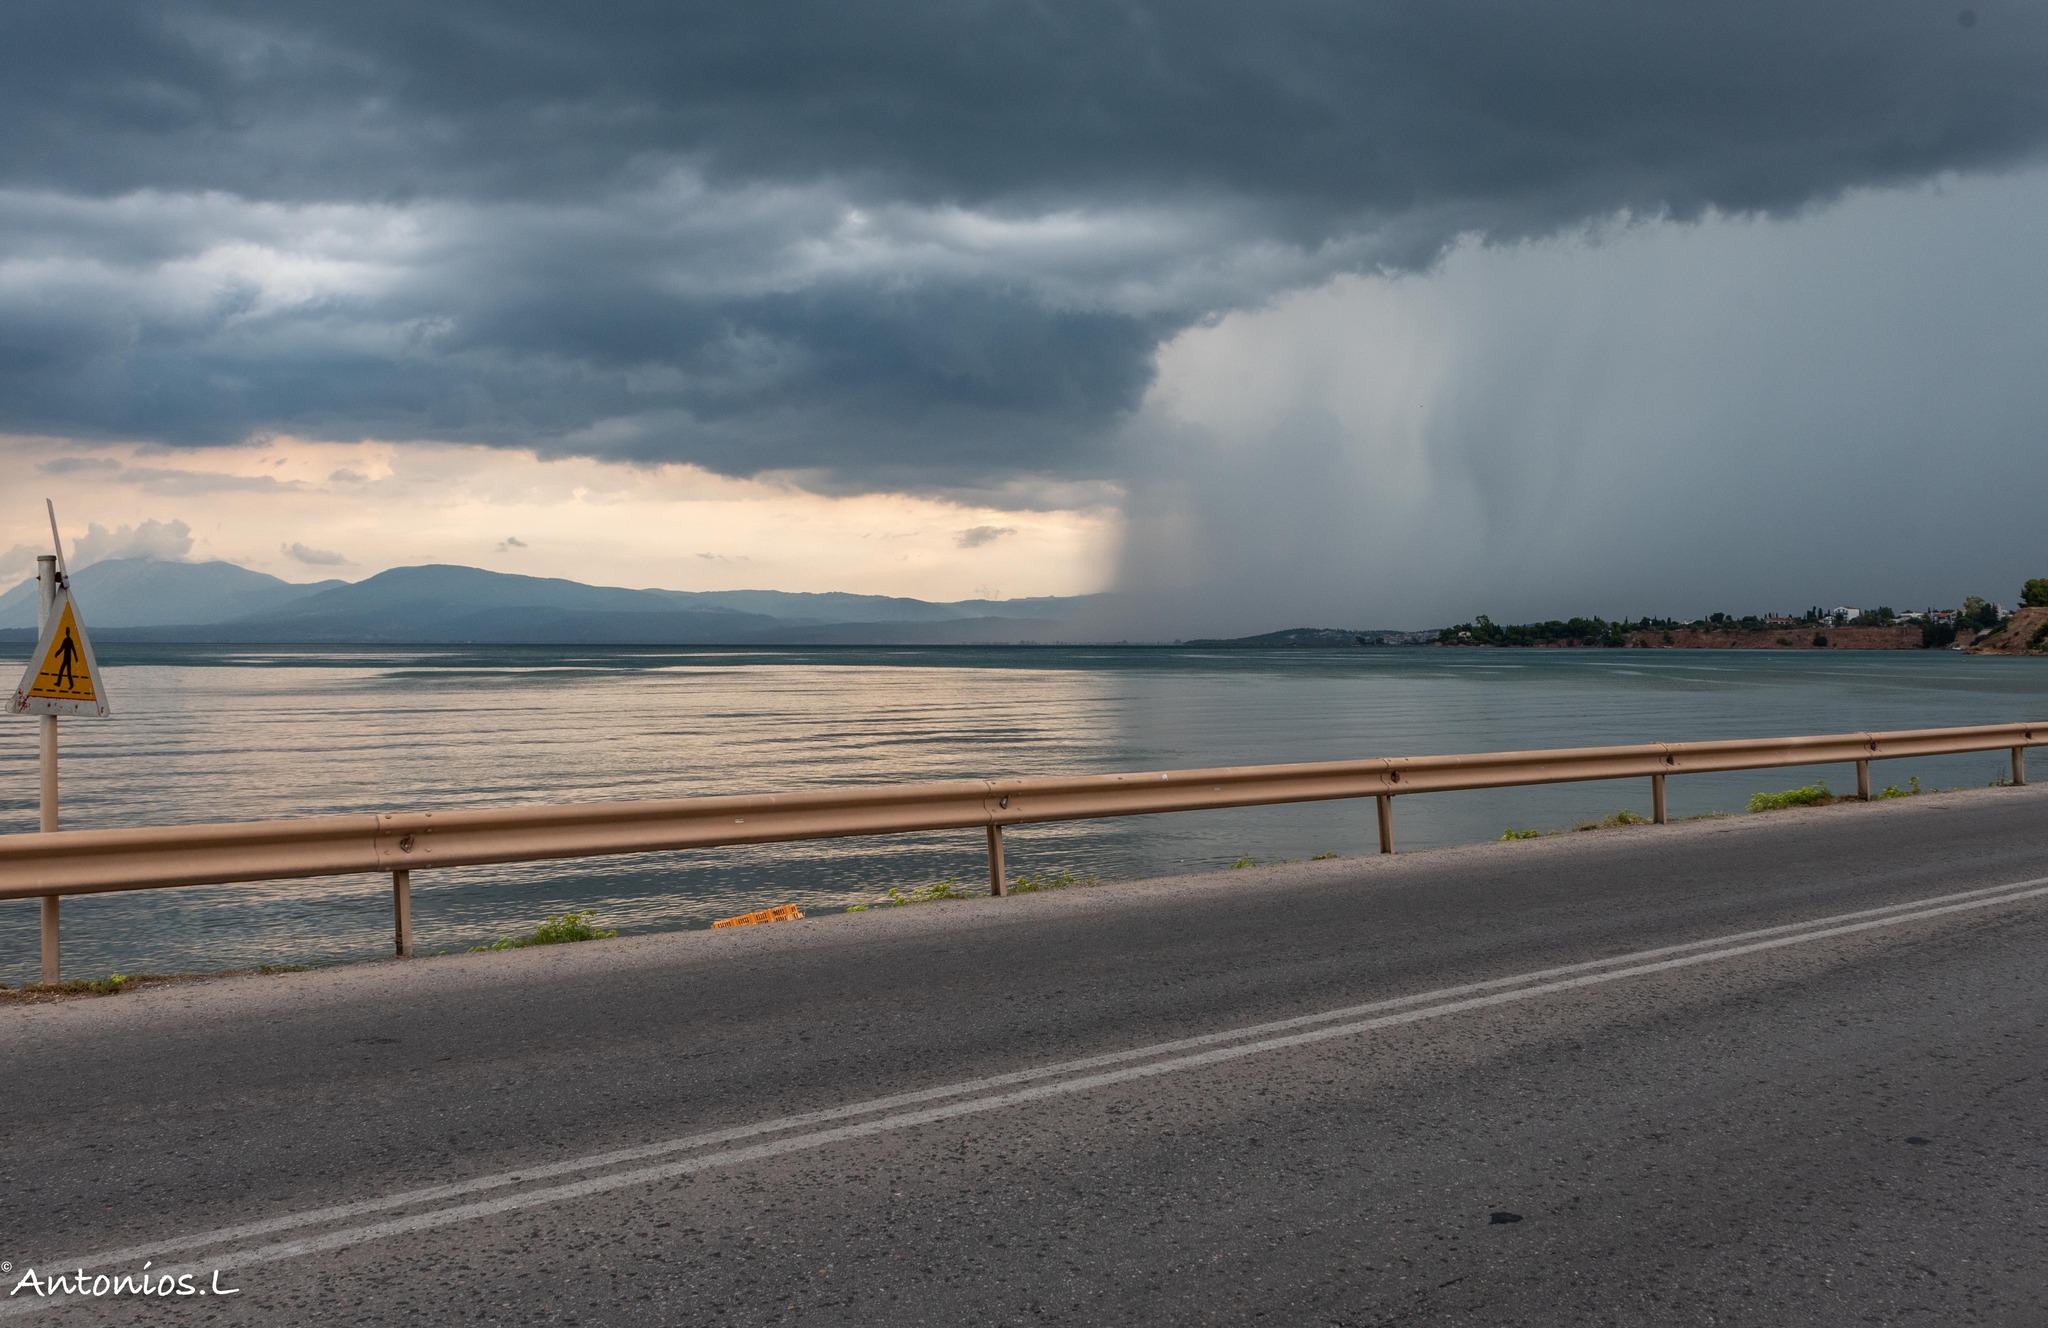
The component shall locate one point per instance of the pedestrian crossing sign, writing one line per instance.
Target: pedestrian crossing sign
(62, 677)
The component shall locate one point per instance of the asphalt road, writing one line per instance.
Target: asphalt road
(1771, 1070)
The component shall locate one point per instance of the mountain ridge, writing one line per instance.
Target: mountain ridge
(141, 599)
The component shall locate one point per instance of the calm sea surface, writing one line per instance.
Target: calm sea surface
(207, 733)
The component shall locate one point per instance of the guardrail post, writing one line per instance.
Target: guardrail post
(1863, 780)
(53, 971)
(1657, 799)
(401, 912)
(2019, 765)
(1386, 810)
(995, 862)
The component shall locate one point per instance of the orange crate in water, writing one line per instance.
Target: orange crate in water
(780, 913)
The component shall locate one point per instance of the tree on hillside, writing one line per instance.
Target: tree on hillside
(2034, 594)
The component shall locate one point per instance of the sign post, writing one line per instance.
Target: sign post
(46, 596)
(63, 678)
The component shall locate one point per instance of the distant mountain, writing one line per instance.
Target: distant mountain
(144, 592)
(1320, 638)
(444, 604)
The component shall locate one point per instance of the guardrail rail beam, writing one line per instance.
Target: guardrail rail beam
(53, 863)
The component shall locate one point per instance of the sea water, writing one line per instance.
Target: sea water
(223, 734)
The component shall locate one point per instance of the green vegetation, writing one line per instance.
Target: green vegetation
(1813, 795)
(1611, 822)
(1025, 883)
(1618, 819)
(119, 982)
(1977, 614)
(1322, 857)
(558, 929)
(950, 888)
(2039, 640)
(1894, 791)
(1483, 631)
(1246, 861)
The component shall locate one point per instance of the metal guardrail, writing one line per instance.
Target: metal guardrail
(76, 862)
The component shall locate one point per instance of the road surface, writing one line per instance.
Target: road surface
(1769, 1070)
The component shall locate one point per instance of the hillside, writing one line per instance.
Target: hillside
(1805, 637)
(1317, 638)
(144, 592)
(220, 603)
(2025, 633)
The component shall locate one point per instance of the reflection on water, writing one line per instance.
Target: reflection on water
(205, 734)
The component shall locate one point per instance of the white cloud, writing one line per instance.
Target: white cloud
(168, 540)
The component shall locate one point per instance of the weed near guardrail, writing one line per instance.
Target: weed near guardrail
(1247, 861)
(114, 983)
(557, 929)
(1610, 822)
(950, 888)
(1025, 883)
(1813, 795)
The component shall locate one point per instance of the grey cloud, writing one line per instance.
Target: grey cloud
(164, 479)
(511, 542)
(170, 540)
(1736, 416)
(1347, 105)
(974, 537)
(915, 244)
(315, 557)
(77, 465)
(347, 476)
(19, 562)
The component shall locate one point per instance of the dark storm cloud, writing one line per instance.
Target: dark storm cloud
(882, 243)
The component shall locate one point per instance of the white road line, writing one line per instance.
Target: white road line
(1446, 1001)
(688, 1143)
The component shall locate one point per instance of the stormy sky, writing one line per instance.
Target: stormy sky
(1368, 314)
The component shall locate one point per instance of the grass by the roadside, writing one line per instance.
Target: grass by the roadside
(1023, 883)
(949, 888)
(1247, 860)
(1812, 795)
(1609, 822)
(556, 929)
(113, 983)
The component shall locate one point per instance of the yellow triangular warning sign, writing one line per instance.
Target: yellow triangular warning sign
(62, 677)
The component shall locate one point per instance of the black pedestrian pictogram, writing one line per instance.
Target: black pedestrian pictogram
(67, 650)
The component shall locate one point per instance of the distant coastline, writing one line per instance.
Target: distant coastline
(2024, 632)
(1979, 627)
